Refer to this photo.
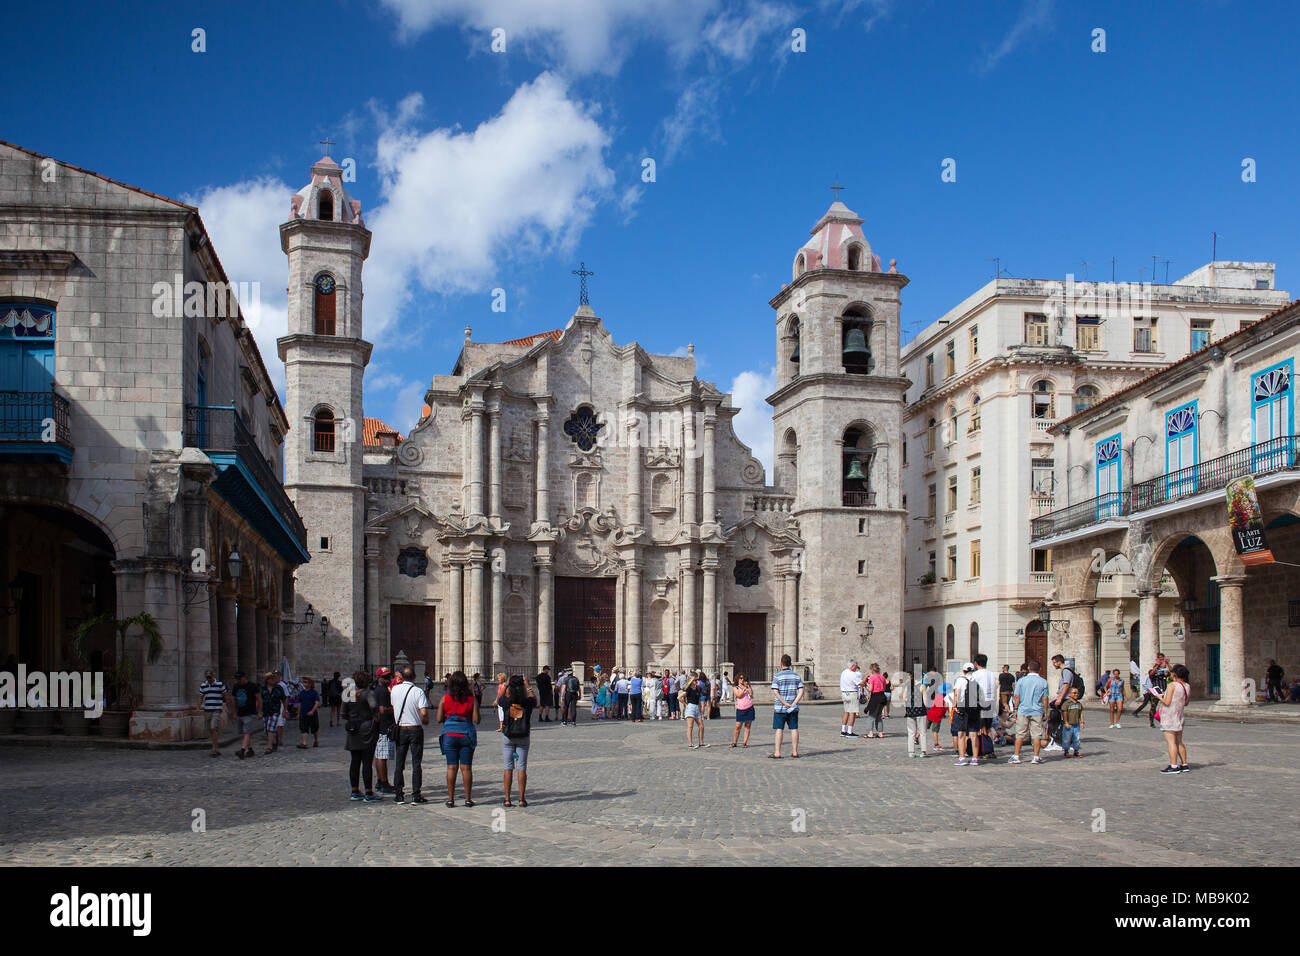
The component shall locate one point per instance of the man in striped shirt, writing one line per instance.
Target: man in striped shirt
(787, 691)
(213, 698)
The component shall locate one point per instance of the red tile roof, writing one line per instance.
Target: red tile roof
(374, 428)
(1114, 396)
(530, 340)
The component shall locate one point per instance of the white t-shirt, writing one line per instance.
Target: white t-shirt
(849, 680)
(407, 701)
(988, 682)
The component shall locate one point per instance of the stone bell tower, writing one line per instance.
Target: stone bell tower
(837, 421)
(325, 358)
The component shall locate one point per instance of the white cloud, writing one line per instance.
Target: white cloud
(405, 409)
(459, 207)
(736, 35)
(243, 220)
(578, 36)
(696, 114)
(876, 10)
(753, 426)
(1034, 15)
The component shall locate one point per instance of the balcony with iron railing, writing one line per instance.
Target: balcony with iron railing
(1202, 619)
(1265, 458)
(36, 423)
(1113, 504)
(257, 492)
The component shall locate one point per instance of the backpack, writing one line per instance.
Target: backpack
(514, 723)
(1076, 682)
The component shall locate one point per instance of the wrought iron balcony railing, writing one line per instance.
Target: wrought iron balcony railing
(859, 499)
(1277, 454)
(1113, 504)
(35, 417)
(221, 429)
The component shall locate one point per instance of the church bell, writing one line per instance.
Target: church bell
(794, 356)
(855, 344)
(855, 469)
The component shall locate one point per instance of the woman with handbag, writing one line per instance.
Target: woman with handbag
(876, 702)
(362, 732)
(938, 707)
(914, 710)
(744, 709)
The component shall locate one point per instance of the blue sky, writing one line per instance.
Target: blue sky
(480, 170)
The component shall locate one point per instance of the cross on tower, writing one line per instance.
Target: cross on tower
(582, 273)
(327, 143)
(836, 188)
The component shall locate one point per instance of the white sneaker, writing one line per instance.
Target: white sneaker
(960, 762)
(973, 763)
(1038, 759)
(1013, 759)
(1117, 726)
(1052, 746)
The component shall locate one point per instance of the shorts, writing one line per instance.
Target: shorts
(384, 748)
(958, 722)
(212, 719)
(1029, 726)
(271, 723)
(693, 710)
(1116, 697)
(459, 750)
(850, 699)
(782, 721)
(515, 752)
(247, 722)
(309, 725)
(745, 716)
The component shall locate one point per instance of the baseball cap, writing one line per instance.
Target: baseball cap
(968, 666)
(383, 671)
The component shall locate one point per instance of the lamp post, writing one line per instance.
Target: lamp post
(308, 617)
(324, 626)
(15, 596)
(1045, 615)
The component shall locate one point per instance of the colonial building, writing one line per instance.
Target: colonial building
(1149, 469)
(567, 498)
(989, 380)
(141, 442)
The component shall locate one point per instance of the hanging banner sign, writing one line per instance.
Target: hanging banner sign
(1247, 522)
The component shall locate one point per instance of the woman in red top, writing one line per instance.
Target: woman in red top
(876, 703)
(458, 713)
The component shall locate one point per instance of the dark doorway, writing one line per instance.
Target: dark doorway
(584, 622)
(747, 645)
(1036, 646)
(31, 623)
(413, 629)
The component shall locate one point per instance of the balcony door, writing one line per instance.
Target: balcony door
(1273, 416)
(1180, 452)
(26, 369)
(1108, 478)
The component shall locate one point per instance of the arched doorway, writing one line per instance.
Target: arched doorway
(1036, 644)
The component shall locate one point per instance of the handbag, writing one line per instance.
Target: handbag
(391, 732)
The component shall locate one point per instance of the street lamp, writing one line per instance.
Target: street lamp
(234, 564)
(324, 626)
(1045, 615)
(15, 595)
(308, 617)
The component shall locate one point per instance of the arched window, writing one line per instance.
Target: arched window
(794, 347)
(974, 413)
(1085, 396)
(1044, 399)
(856, 470)
(323, 305)
(929, 435)
(950, 643)
(323, 431)
(974, 639)
(856, 345)
(325, 208)
(790, 460)
(661, 495)
(799, 265)
(951, 435)
(855, 258)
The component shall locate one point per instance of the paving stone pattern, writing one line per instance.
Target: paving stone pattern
(619, 793)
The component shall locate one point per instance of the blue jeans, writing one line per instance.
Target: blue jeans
(1070, 737)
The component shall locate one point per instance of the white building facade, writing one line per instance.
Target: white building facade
(989, 379)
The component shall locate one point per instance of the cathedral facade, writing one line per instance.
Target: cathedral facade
(566, 498)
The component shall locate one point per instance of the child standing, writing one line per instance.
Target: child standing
(1072, 714)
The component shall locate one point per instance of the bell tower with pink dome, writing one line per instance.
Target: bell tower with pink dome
(838, 441)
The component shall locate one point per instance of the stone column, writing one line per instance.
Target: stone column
(494, 462)
(620, 631)
(228, 638)
(247, 628)
(264, 662)
(634, 468)
(709, 606)
(1233, 689)
(477, 464)
(690, 449)
(376, 648)
(1148, 627)
(690, 647)
(466, 461)
(710, 481)
(632, 616)
(790, 614)
(474, 646)
(275, 637)
(454, 653)
(1080, 645)
(498, 610)
(545, 610)
(543, 457)
(213, 619)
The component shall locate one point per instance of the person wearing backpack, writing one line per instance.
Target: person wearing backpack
(569, 715)
(1068, 679)
(516, 702)
(913, 694)
(362, 730)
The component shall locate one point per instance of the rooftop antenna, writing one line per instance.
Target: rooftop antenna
(1214, 246)
(1112, 268)
(997, 266)
(1153, 270)
(1085, 269)
(1166, 262)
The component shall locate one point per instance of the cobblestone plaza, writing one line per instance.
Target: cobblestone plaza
(622, 793)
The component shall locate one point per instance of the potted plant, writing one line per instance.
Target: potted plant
(925, 579)
(121, 676)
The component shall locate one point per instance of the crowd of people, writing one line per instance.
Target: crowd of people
(384, 714)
